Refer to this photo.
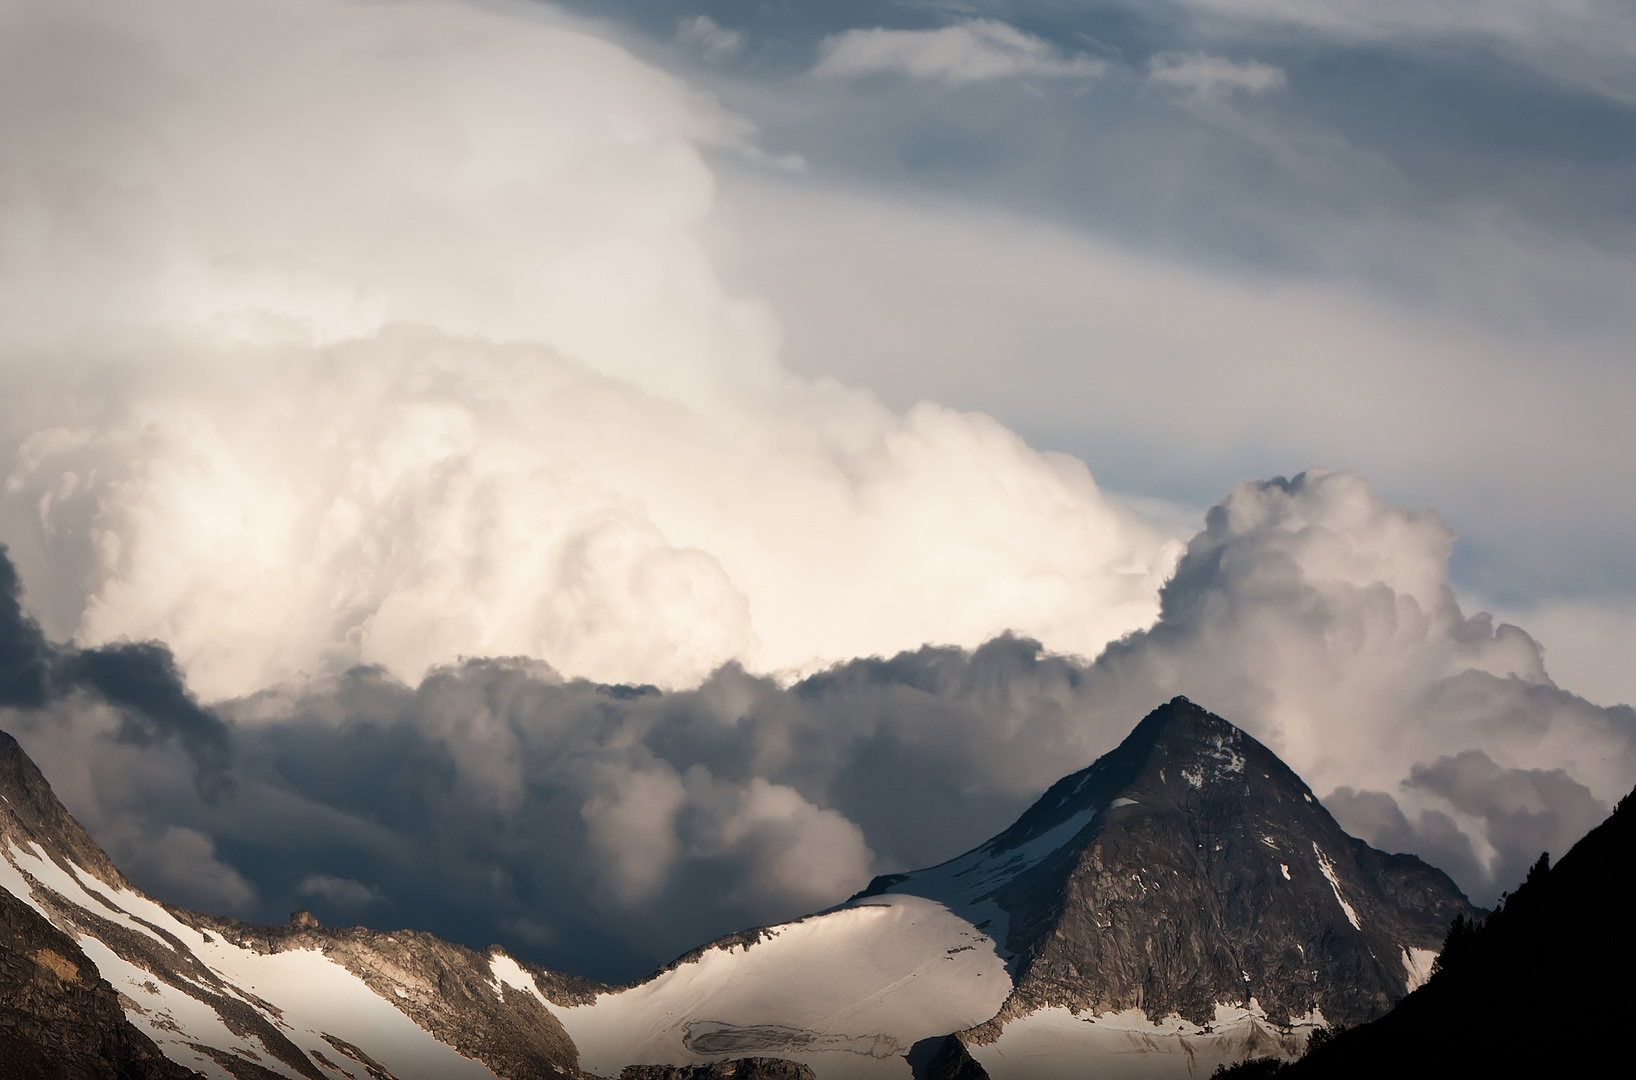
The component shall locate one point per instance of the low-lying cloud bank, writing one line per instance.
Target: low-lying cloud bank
(603, 828)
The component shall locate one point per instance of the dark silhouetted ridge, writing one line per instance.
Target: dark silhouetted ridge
(1542, 987)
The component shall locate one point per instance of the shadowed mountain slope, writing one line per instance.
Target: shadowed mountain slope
(1542, 987)
(1188, 868)
(232, 1000)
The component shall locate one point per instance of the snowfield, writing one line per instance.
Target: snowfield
(848, 992)
(315, 1003)
(1054, 1044)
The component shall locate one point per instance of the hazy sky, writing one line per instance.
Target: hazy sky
(387, 379)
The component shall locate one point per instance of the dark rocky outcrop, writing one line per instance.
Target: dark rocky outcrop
(953, 1062)
(749, 1068)
(59, 1020)
(31, 812)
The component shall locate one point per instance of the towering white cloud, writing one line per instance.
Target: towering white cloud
(352, 332)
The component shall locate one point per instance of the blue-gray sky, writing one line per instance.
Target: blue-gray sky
(1431, 216)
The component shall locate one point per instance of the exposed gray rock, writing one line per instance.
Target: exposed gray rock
(1209, 873)
(748, 1068)
(953, 1062)
(446, 989)
(59, 1020)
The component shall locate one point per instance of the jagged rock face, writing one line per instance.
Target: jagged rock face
(953, 1062)
(1191, 867)
(59, 1020)
(750, 1068)
(230, 999)
(448, 990)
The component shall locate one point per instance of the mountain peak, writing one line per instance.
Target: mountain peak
(30, 812)
(1190, 868)
(1171, 755)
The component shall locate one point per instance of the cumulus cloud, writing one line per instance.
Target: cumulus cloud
(604, 828)
(631, 821)
(1207, 76)
(418, 356)
(1515, 814)
(1434, 835)
(1524, 811)
(182, 863)
(974, 50)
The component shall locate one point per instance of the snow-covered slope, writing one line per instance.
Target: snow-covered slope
(848, 992)
(300, 1002)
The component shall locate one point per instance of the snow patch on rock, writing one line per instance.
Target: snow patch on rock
(1417, 966)
(300, 992)
(1328, 870)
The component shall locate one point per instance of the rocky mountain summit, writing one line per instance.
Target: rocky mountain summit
(1183, 901)
(1191, 868)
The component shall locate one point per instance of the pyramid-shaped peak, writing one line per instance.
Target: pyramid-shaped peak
(1189, 868)
(1180, 716)
(1179, 752)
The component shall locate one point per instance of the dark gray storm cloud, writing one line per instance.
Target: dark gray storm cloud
(603, 829)
(1525, 811)
(25, 658)
(137, 680)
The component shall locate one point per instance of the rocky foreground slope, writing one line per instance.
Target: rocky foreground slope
(1561, 946)
(1183, 901)
(229, 1000)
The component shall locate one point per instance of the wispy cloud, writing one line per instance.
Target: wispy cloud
(971, 51)
(1211, 76)
(341, 892)
(704, 35)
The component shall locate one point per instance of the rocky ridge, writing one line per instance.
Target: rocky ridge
(1190, 868)
(1559, 945)
(59, 1020)
(171, 964)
